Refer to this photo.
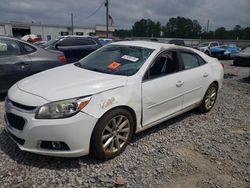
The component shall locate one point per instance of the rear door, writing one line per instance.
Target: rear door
(196, 75)
(162, 92)
(14, 64)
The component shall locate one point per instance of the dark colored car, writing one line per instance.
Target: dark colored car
(19, 59)
(177, 42)
(242, 58)
(173, 41)
(73, 47)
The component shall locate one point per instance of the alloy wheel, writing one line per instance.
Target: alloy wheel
(115, 134)
(210, 97)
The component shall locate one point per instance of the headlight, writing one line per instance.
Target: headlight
(61, 109)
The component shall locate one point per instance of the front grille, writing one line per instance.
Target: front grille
(18, 140)
(15, 121)
(21, 106)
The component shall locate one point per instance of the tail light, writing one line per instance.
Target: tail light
(62, 58)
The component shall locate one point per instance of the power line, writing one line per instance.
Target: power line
(93, 13)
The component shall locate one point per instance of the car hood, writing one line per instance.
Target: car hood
(69, 81)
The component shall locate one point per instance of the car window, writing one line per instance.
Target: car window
(84, 41)
(246, 50)
(67, 42)
(116, 59)
(214, 44)
(28, 49)
(189, 60)
(166, 63)
(201, 61)
(203, 44)
(9, 48)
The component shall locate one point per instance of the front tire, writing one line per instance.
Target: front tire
(112, 134)
(209, 98)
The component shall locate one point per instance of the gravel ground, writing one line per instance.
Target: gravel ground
(192, 150)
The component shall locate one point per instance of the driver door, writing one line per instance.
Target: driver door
(162, 92)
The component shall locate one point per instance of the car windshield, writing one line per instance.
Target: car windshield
(204, 44)
(116, 59)
(246, 50)
(49, 43)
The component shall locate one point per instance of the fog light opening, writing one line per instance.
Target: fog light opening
(56, 145)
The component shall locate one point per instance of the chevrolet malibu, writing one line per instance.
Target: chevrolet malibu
(97, 104)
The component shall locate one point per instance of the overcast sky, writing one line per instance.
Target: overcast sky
(227, 13)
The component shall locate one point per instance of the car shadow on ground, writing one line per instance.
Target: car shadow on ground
(2, 97)
(56, 163)
(245, 80)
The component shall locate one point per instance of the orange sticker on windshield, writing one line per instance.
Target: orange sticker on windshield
(114, 65)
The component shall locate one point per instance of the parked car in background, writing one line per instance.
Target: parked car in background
(105, 41)
(40, 43)
(230, 50)
(74, 47)
(242, 58)
(173, 41)
(177, 42)
(31, 38)
(119, 90)
(19, 59)
(205, 46)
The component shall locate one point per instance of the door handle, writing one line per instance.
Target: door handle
(205, 75)
(179, 83)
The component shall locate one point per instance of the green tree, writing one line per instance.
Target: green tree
(122, 33)
(181, 27)
(146, 28)
(220, 33)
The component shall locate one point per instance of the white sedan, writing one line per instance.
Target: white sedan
(97, 104)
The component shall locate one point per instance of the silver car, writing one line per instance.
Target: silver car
(19, 59)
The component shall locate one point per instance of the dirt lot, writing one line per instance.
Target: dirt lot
(191, 150)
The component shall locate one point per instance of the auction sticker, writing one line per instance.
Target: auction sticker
(114, 65)
(130, 58)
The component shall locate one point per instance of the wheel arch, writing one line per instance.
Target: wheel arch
(129, 109)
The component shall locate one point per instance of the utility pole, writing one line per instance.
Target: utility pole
(72, 24)
(107, 18)
(207, 25)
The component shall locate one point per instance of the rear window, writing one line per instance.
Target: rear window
(190, 60)
(9, 48)
(27, 48)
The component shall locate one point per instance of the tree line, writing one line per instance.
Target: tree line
(181, 27)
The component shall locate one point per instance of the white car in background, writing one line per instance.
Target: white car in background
(205, 46)
(98, 103)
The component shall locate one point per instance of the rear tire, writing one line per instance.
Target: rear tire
(112, 134)
(209, 98)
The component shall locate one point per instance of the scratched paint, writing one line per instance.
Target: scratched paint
(108, 103)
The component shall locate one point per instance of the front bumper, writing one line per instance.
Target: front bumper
(74, 131)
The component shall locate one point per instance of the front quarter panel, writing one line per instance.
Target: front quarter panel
(128, 95)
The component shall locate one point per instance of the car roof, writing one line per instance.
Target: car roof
(150, 44)
(77, 36)
(145, 44)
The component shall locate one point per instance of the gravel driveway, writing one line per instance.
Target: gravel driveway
(192, 150)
